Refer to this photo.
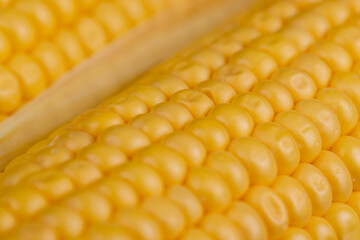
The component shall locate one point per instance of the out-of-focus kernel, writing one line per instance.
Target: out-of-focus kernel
(319, 229)
(276, 94)
(192, 73)
(292, 233)
(283, 9)
(344, 220)
(154, 126)
(305, 133)
(142, 223)
(19, 161)
(295, 198)
(239, 78)
(318, 25)
(6, 45)
(336, 11)
(259, 62)
(316, 185)
(108, 231)
(37, 147)
(349, 37)
(13, 176)
(257, 159)
(91, 33)
(349, 83)
(231, 170)
(68, 9)
(175, 113)
(149, 95)
(70, 45)
(265, 22)
(119, 192)
(143, 177)
(334, 54)
(169, 213)
(281, 49)
(298, 82)
(112, 17)
(300, 36)
(234, 118)
(73, 140)
(50, 182)
(52, 156)
(324, 118)
(226, 46)
(190, 204)
(282, 144)
(196, 234)
(7, 220)
(187, 145)
(256, 105)
(81, 172)
(170, 164)
(270, 206)
(96, 121)
(248, 220)
(355, 133)
(83, 201)
(125, 137)
(218, 91)
(169, 85)
(221, 227)
(244, 34)
(10, 92)
(315, 67)
(136, 10)
(127, 107)
(23, 200)
(337, 174)
(342, 105)
(354, 202)
(34, 231)
(211, 58)
(210, 132)
(347, 149)
(211, 189)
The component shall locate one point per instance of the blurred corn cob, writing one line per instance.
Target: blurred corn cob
(252, 135)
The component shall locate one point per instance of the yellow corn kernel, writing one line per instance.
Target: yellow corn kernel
(316, 185)
(83, 202)
(235, 119)
(187, 145)
(211, 58)
(344, 220)
(52, 156)
(218, 91)
(7, 220)
(295, 198)
(31, 74)
(196, 234)
(300, 36)
(6, 46)
(280, 48)
(232, 171)
(127, 107)
(211, 189)
(259, 62)
(239, 78)
(169, 85)
(346, 148)
(305, 133)
(334, 54)
(210, 132)
(221, 227)
(81, 172)
(142, 223)
(265, 22)
(300, 84)
(257, 159)
(318, 228)
(34, 231)
(316, 24)
(336, 173)
(52, 183)
(68, 9)
(70, 45)
(23, 200)
(119, 192)
(175, 113)
(169, 214)
(295, 233)
(13, 176)
(109, 231)
(248, 220)
(136, 10)
(276, 94)
(144, 178)
(227, 46)
(10, 91)
(111, 17)
(281, 143)
(73, 140)
(271, 208)
(342, 105)
(284, 9)
(96, 121)
(356, 132)
(170, 164)
(354, 202)
(127, 138)
(256, 105)
(348, 36)
(349, 83)
(336, 12)
(324, 119)
(192, 73)
(148, 95)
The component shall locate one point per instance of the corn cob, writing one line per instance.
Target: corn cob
(252, 135)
